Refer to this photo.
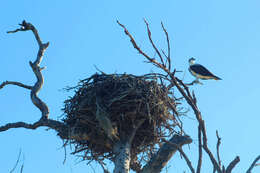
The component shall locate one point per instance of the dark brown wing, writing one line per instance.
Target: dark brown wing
(201, 70)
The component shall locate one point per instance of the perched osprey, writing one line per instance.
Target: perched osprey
(200, 72)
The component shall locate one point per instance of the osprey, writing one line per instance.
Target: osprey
(200, 72)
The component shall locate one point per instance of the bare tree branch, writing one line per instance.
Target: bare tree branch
(134, 131)
(15, 83)
(21, 170)
(200, 150)
(60, 127)
(169, 48)
(151, 41)
(217, 147)
(187, 160)
(184, 156)
(232, 165)
(43, 121)
(164, 154)
(103, 167)
(36, 69)
(253, 164)
(134, 43)
(17, 161)
(205, 147)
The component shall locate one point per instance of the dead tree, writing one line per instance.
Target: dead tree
(109, 115)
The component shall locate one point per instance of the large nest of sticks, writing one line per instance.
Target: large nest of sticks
(107, 108)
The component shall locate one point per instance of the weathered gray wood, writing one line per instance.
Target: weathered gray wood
(122, 160)
(159, 160)
(60, 127)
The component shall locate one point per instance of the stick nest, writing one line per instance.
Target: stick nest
(108, 108)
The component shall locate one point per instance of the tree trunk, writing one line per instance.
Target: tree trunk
(122, 160)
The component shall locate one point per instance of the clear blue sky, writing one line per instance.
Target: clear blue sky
(222, 35)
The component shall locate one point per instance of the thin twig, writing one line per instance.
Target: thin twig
(187, 160)
(253, 164)
(21, 170)
(65, 151)
(17, 161)
(151, 41)
(217, 147)
(134, 43)
(103, 167)
(169, 47)
(134, 131)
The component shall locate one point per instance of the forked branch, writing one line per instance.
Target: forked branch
(36, 69)
(43, 121)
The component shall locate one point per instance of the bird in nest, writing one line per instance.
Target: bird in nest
(200, 72)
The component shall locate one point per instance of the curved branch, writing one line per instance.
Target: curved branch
(3, 84)
(232, 164)
(184, 156)
(164, 154)
(60, 127)
(36, 69)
